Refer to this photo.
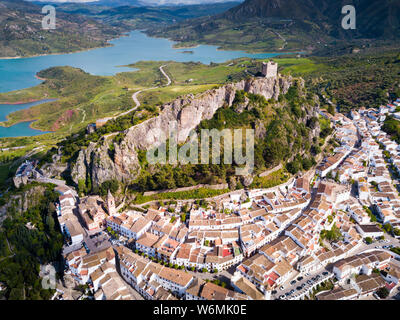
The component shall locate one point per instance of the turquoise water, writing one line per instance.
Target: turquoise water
(21, 129)
(17, 74)
(5, 109)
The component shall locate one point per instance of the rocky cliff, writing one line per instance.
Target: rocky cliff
(96, 164)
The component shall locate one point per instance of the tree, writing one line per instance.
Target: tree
(337, 176)
(331, 109)
(112, 185)
(383, 293)
(307, 163)
(204, 270)
(388, 228)
(368, 240)
(183, 217)
(81, 186)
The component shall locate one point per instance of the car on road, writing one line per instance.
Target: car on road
(303, 285)
(287, 294)
(292, 282)
(300, 278)
(274, 292)
(292, 291)
(310, 282)
(307, 274)
(325, 273)
(299, 288)
(86, 247)
(282, 288)
(281, 297)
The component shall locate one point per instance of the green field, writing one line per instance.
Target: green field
(200, 193)
(274, 179)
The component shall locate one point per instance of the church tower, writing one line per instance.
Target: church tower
(111, 204)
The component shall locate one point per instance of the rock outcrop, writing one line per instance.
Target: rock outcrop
(96, 164)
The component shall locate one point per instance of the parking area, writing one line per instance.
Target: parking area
(301, 285)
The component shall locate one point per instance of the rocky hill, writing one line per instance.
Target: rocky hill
(98, 164)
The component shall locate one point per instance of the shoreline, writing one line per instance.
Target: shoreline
(53, 54)
(39, 78)
(4, 123)
(31, 122)
(27, 101)
(20, 102)
(71, 52)
(186, 47)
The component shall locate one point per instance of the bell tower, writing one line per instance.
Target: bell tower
(111, 204)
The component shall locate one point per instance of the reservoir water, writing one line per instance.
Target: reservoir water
(17, 74)
(22, 129)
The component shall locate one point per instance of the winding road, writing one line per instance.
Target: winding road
(135, 95)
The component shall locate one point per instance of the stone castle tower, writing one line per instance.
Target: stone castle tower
(270, 69)
(111, 204)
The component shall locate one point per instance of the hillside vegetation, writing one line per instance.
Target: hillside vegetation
(21, 32)
(23, 250)
(289, 25)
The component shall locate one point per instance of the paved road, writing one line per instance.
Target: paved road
(135, 95)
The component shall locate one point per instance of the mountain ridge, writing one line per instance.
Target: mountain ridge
(21, 32)
(296, 24)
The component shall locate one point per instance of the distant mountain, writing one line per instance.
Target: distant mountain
(116, 3)
(21, 32)
(290, 25)
(142, 18)
(287, 9)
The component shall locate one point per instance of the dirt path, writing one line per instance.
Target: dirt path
(282, 38)
(9, 248)
(84, 114)
(135, 95)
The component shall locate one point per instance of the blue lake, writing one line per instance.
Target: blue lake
(17, 74)
(20, 129)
